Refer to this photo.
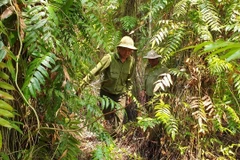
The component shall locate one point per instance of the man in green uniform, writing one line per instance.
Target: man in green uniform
(152, 74)
(117, 69)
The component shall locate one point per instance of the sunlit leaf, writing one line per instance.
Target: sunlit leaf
(0, 140)
(40, 77)
(3, 2)
(2, 51)
(6, 113)
(6, 86)
(5, 123)
(46, 63)
(5, 95)
(235, 55)
(43, 71)
(35, 83)
(5, 105)
(32, 90)
(4, 76)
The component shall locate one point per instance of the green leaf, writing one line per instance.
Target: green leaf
(4, 156)
(6, 86)
(50, 58)
(53, 15)
(32, 90)
(16, 128)
(0, 141)
(235, 55)
(5, 95)
(6, 113)
(2, 51)
(40, 24)
(215, 45)
(46, 63)
(5, 105)
(11, 68)
(35, 83)
(38, 16)
(4, 76)
(40, 77)
(30, 39)
(5, 123)
(2, 65)
(43, 71)
(3, 2)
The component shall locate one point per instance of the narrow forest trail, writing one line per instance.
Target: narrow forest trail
(126, 145)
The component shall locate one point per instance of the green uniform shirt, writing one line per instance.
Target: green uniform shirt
(117, 75)
(151, 76)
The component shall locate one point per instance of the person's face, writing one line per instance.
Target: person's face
(153, 62)
(125, 52)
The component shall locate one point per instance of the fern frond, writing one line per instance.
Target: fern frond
(232, 20)
(180, 9)
(164, 82)
(180, 73)
(174, 42)
(163, 114)
(209, 15)
(68, 147)
(204, 108)
(146, 122)
(217, 65)
(157, 6)
(236, 80)
(128, 23)
(233, 119)
(160, 36)
(204, 32)
(166, 28)
(36, 74)
(7, 112)
(200, 114)
(217, 123)
(103, 152)
(208, 104)
(108, 102)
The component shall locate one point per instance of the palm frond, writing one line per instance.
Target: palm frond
(232, 19)
(180, 9)
(209, 15)
(236, 79)
(164, 115)
(164, 82)
(128, 23)
(180, 73)
(174, 42)
(233, 119)
(108, 102)
(203, 32)
(7, 112)
(200, 114)
(37, 73)
(217, 65)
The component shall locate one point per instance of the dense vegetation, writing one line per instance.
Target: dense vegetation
(47, 46)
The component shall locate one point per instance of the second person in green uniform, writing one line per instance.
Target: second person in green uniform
(153, 71)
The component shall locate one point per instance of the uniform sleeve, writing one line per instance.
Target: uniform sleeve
(130, 77)
(100, 67)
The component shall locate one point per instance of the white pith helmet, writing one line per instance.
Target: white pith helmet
(127, 42)
(152, 55)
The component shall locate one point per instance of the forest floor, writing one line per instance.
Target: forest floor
(127, 146)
